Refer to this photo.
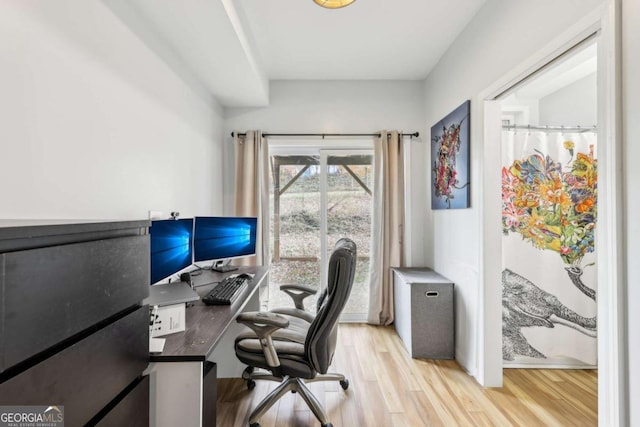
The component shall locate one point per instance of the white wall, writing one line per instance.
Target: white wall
(94, 125)
(343, 107)
(501, 37)
(519, 110)
(573, 105)
(631, 194)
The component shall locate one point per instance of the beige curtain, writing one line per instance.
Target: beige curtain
(387, 227)
(252, 188)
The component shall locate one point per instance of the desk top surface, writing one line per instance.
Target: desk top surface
(205, 324)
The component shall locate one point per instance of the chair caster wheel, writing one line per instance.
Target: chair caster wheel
(246, 374)
(251, 384)
(344, 384)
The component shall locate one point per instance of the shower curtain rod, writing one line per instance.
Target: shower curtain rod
(323, 135)
(553, 128)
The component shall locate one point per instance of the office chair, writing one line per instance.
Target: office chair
(296, 351)
(297, 293)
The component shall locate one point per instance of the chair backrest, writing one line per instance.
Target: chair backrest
(322, 336)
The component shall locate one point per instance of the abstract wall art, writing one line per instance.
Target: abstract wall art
(450, 179)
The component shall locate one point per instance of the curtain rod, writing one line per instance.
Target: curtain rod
(323, 135)
(553, 128)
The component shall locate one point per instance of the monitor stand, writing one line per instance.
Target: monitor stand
(221, 267)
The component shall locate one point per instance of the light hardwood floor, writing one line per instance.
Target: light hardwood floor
(389, 388)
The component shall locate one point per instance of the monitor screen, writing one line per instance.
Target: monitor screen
(218, 238)
(171, 247)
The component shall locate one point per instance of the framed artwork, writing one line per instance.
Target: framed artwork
(450, 160)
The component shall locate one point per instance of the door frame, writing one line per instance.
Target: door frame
(611, 333)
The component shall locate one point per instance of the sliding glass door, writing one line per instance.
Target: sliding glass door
(317, 197)
(346, 191)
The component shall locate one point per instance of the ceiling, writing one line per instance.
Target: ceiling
(233, 48)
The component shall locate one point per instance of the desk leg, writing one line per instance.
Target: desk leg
(209, 395)
(176, 394)
(224, 355)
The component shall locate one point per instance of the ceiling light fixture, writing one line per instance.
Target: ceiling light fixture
(333, 4)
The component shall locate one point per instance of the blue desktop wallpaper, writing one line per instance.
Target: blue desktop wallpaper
(218, 238)
(171, 243)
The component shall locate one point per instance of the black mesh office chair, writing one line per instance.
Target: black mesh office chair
(293, 349)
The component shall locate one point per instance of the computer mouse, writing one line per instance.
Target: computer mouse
(246, 276)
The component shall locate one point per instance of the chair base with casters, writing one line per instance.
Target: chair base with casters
(251, 375)
(294, 385)
(293, 350)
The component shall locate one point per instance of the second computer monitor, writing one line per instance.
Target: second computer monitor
(223, 238)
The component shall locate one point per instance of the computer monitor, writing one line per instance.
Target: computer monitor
(171, 247)
(222, 238)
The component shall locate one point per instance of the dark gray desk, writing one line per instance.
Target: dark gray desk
(182, 382)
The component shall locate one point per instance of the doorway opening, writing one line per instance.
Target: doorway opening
(549, 206)
(608, 235)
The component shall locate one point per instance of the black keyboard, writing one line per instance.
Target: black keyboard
(227, 291)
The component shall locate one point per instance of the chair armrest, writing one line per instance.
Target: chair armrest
(298, 293)
(264, 318)
(264, 324)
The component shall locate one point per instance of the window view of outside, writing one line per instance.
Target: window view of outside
(295, 225)
(349, 186)
(296, 222)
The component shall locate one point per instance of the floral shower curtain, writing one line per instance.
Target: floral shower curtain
(549, 191)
